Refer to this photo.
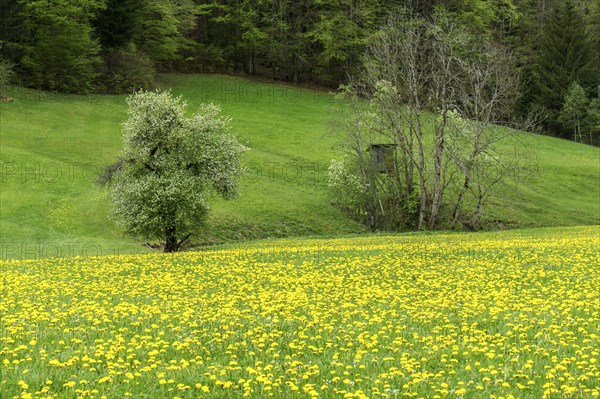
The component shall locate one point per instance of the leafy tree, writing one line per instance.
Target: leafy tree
(139, 35)
(575, 110)
(594, 118)
(126, 69)
(12, 33)
(6, 72)
(161, 29)
(158, 28)
(65, 44)
(486, 16)
(416, 66)
(341, 32)
(245, 22)
(170, 167)
(63, 52)
(290, 49)
(594, 27)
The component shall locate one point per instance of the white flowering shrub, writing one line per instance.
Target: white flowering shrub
(346, 187)
(339, 177)
(170, 167)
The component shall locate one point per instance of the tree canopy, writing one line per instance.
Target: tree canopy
(116, 46)
(170, 167)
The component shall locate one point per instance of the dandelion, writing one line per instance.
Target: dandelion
(369, 317)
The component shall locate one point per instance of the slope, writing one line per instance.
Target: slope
(53, 146)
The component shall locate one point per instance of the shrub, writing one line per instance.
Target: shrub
(6, 72)
(127, 69)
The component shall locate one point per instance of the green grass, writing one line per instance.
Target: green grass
(52, 147)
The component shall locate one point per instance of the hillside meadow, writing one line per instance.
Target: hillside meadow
(53, 146)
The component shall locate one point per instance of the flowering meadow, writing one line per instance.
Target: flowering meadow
(490, 315)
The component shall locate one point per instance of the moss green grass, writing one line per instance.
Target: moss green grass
(53, 146)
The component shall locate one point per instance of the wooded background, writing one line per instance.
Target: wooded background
(113, 46)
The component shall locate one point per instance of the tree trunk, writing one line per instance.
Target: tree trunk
(476, 214)
(171, 244)
(367, 182)
(295, 69)
(409, 171)
(251, 64)
(436, 203)
(461, 195)
(421, 170)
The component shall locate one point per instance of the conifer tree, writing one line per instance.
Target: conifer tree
(565, 56)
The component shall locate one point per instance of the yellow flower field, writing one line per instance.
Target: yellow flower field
(492, 315)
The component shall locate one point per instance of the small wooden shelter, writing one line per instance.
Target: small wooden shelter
(382, 157)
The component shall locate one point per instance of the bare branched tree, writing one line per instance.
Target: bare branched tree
(395, 77)
(438, 93)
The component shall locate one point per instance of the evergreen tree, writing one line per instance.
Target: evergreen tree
(565, 56)
(158, 28)
(115, 24)
(290, 47)
(249, 37)
(124, 66)
(594, 28)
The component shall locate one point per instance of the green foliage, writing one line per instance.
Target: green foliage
(6, 72)
(200, 57)
(161, 27)
(12, 32)
(126, 69)
(594, 119)
(251, 37)
(320, 41)
(63, 54)
(595, 109)
(347, 189)
(566, 56)
(593, 20)
(375, 201)
(138, 35)
(341, 33)
(291, 40)
(290, 47)
(115, 24)
(484, 16)
(171, 166)
(574, 113)
(63, 40)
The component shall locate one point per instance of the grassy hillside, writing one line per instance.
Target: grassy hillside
(53, 146)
